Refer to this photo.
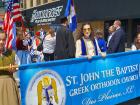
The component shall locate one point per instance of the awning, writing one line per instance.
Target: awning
(86, 10)
(44, 14)
(89, 10)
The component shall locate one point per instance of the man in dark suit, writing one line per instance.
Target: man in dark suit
(117, 42)
(65, 46)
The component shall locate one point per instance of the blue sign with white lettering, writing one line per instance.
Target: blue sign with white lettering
(79, 81)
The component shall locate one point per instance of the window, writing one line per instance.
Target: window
(24, 4)
(38, 2)
(31, 3)
(21, 5)
(55, 0)
(45, 1)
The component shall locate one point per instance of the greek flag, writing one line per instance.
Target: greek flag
(71, 15)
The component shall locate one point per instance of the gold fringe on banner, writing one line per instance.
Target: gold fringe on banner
(9, 67)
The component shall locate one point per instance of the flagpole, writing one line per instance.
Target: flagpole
(9, 67)
(71, 15)
(23, 28)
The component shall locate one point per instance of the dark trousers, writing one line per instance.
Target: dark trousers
(48, 57)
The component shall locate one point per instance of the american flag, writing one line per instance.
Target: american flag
(16, 11)
(11, 16)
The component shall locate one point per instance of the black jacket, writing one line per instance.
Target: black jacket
(117, 42)
(65, 46)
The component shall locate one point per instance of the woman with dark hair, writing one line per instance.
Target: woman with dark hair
(23, 44)
(87, 45)
(136, 45)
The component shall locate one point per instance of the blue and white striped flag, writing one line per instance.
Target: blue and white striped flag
(71, 15)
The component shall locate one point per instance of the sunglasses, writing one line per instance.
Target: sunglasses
(86, 29)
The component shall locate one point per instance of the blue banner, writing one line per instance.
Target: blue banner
(79, 81)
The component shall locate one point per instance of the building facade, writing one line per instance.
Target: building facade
(107, 11)
(100, 13)
(28, 7)
(27, 4)
(2, 12)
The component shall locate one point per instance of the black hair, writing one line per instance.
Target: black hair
(80, 33)
(63, 20)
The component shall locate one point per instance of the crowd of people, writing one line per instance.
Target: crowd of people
(60, 44)
(51, 45)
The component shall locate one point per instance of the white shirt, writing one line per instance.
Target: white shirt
(118, 28)
(133, 48)
(49, 44)
(109, 38)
